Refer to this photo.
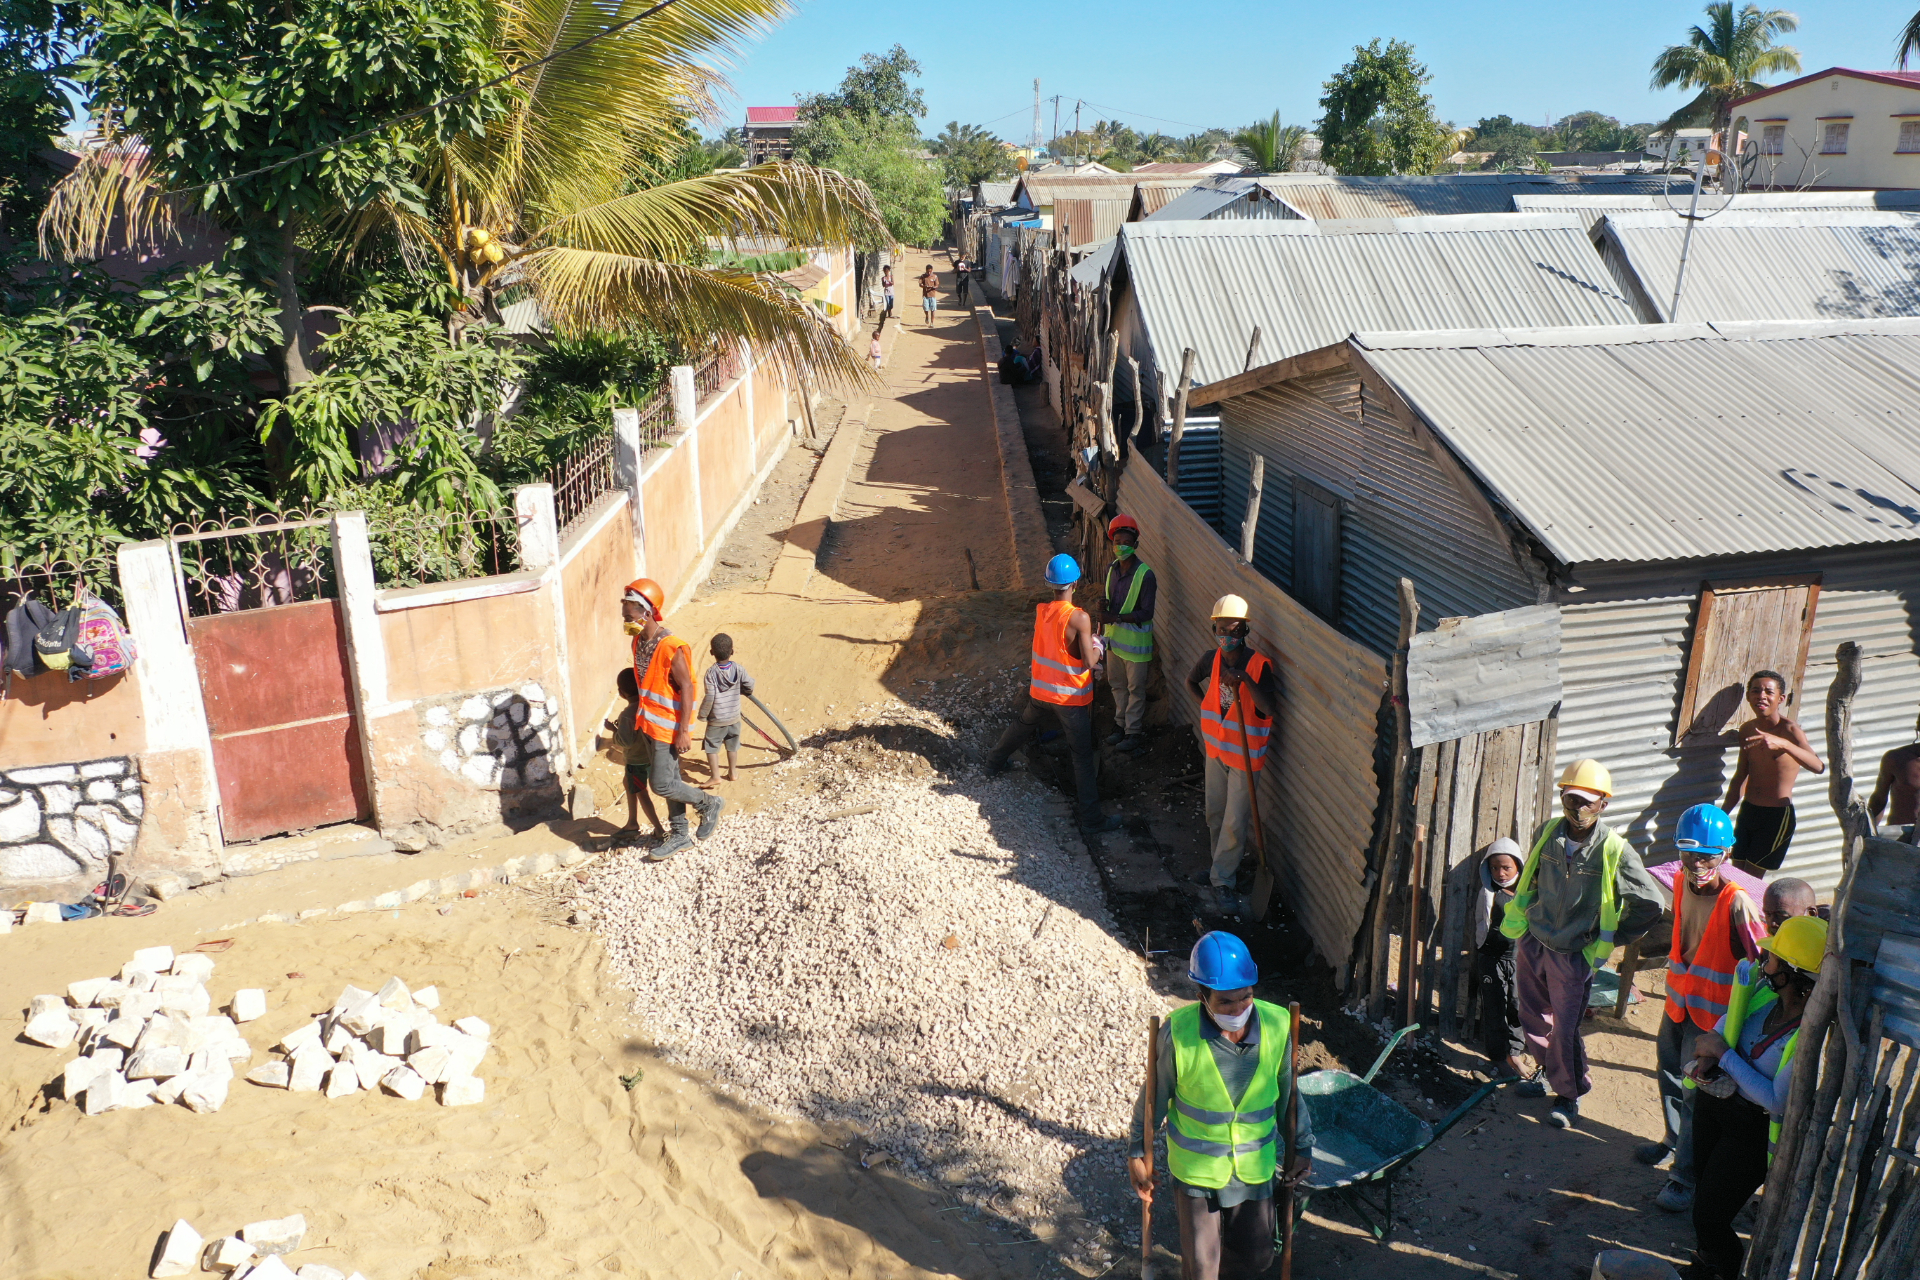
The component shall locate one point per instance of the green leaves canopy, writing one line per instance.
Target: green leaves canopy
(1724, 60)
(1378, 118)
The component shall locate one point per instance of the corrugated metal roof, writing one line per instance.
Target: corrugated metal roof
(1591, 208)
(1337, 196)
(1662, 442)
(1088, 222)
(1155, 196)
(997, 195)
(1043, 189)
(1794, 264)
(1205, 200)
(1088, 270)
(1207, 284)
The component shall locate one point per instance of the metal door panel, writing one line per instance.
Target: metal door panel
(290, 778)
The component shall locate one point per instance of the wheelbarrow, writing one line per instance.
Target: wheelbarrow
(1362, 1138)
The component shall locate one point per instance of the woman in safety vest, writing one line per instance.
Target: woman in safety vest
(1221, 1087)
(1742, 1075)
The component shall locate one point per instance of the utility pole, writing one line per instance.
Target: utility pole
(1056, 118)
(1076, 131)
(1035, 159)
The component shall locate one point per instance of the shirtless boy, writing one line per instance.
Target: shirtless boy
(1897, 789)
(1773, 751)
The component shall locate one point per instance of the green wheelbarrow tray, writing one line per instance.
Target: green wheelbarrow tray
(1361, 1137)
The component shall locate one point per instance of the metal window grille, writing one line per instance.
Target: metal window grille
(1773, 140)
(57, 580)
(715, 372)
(1833, 139)
(581, 480)
(1909, 137)
(254, 561)
(415, 548)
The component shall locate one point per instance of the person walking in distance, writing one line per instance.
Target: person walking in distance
(1773, 751)
(1715, 927)
(929, 283)
(1239, 692)
(1222, 1081)
(1581, 893)
(1126, 612)
(886, 293)
(663, 668)
(1066, 653)
(962, 281)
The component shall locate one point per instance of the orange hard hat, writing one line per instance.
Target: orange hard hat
(646, 590)
(1121, 522)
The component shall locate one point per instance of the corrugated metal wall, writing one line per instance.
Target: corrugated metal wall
(1404, 517)
(1318, 800)
(1623, 661)
(1199, 471)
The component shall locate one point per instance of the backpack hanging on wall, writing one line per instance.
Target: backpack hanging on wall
(57, 645)
(104, 637)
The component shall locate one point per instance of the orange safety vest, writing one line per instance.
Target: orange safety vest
(659, 710)
(1702, 988)
(1057, 676)
(1221, 728)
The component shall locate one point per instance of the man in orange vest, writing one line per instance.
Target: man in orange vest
(1226, 718)
(663, 668)
(1065, 656)
(1715, 927)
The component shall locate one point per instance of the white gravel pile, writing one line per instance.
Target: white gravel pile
(937, 973)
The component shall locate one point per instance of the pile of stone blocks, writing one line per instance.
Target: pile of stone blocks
(256, 1251)
(147, 1036)
(389, 1039)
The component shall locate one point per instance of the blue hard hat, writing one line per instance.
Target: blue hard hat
(1063, 570)
(1221, 962)
(1705, 827)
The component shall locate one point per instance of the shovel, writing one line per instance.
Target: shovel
(1263, 874)
(1146, 1127)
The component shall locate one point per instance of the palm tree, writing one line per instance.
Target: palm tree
(1272, 146)
(1724, 60)
(956, 138)
(1909, 40)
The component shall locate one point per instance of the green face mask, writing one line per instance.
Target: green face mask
(1121, 551)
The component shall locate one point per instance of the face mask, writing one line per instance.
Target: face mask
(1236, 1023)
(1508, 883)
(1121, 551)
(1703, 876)
(1227, 643)
(1780, 981)
(636, 628)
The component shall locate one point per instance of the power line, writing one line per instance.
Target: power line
(1185, 124)
(402, 118)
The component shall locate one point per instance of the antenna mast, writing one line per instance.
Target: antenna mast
(1036, 122)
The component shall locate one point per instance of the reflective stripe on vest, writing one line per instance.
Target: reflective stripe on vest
(1130, 641)
(1514, 923)
(1700, 989)
(1210, 1138)
(659, 710)
(1220, 726)
(1752, 993)
(1057, 676)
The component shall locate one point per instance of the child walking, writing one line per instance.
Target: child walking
(634, 746)
(726, 682)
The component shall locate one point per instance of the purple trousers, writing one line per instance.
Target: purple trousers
(1553, 990)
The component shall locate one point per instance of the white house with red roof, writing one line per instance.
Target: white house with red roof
(769, 133)
(1837, 129)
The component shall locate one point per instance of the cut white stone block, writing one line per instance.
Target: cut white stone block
(343, 1080)
(225, 1254)
(123, 1031)
(360, 1016)
(168, 1092)
(464, 1057)
(91, 1019)
(52, 1028)
(205, 1093)
(40, 1004)
(394, 994)
(185, 997)
(42, 912)
(139, 1004)
(77, 1075)
(337, 1038)
(108, 996)
(427, 997)
(373, 1067)
(161, 1062)
(211, 1061)
(431, 1062)
(310, 1065)
(234, 1050)
(87, 990)
(463, 1091)
(136, 1096)
(275, 1236)
(316, 1271)
(269, 1268)
(164, 1029)
(307, 1033)
(212, 1028)
(104, 1093)
(428, 1036)
(473, 1027)
(349, 995)
(391, 1038)
(195, 964)
(138, 979)
(248, 1003)
(274, 1075)
(180, 1253)
(153, 959)
(111, 1058)
(404, 1082)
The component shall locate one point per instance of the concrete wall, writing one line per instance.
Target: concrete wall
(48, 719)
(594, 567)
(1873, 112)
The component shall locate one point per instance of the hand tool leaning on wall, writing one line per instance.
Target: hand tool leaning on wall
(1263, 875)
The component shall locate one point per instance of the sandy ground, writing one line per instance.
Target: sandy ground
(564, 1171)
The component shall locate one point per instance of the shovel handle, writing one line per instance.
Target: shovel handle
(1293, 1132)
(1146, 1131)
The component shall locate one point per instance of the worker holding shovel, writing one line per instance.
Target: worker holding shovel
(1222, 1077)
(1236, 737)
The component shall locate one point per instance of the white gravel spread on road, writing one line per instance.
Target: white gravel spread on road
(939, 975)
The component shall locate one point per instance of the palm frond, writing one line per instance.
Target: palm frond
(109, 201)
(586, 289)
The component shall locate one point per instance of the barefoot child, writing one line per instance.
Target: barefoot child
(1773, 751)
(633, 746)
(726, 682)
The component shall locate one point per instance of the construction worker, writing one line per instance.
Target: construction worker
(1218, 679)
(1127, 614)
(1223, 1066)
(1582, 892)
(663, 666)
(1715, 926)
(1065, 655)
(1743, 1075)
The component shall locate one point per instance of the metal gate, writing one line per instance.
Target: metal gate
(273, 674)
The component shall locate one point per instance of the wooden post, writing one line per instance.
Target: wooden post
(1139, 405)
(1410, 941)
(1252, 522)
(1179, 420)
(1397, 811)
(1253, 350)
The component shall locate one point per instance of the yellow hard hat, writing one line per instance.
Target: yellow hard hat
(1801, 942)
(1588, 775)
(1230, 607)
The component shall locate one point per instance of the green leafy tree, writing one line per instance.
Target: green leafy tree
(1378, 117)
(1270, 145)
(969, 154)
(1208, 144)
(38, 42)
(1593, 131)
(869, 130)
(1724, 60)
(877, 88)
(1513, 145)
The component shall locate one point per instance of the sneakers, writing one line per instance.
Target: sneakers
(1227, 900)
(1675, 1197)
(1565, 1113)
(1534, 1087)
(1112, 822)
(1652, 1152)
(710, 817)
(1116, 737)
(1131, 743)
(678, 842)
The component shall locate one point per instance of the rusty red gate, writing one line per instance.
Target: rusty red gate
(286, 749)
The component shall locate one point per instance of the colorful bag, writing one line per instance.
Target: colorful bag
(102, 635)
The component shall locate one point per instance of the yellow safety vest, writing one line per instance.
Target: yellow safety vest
(1751, 994)
(1212, 1139)
(1514, 923)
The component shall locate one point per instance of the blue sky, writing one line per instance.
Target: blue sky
(1232, 61)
